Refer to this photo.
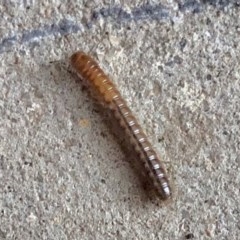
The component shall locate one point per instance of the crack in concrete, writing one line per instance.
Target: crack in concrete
(117, 14)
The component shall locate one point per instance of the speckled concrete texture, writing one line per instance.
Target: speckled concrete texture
(63, 173)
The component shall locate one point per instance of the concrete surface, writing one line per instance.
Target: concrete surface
(63, 174)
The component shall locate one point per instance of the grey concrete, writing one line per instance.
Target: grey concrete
(63, 174)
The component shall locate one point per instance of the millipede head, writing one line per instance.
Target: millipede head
(80, 60)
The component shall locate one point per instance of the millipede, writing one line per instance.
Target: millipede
(106, 92)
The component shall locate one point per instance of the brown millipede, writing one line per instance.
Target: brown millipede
(106, 91)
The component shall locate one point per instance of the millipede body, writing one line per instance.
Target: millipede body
(88, 69)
